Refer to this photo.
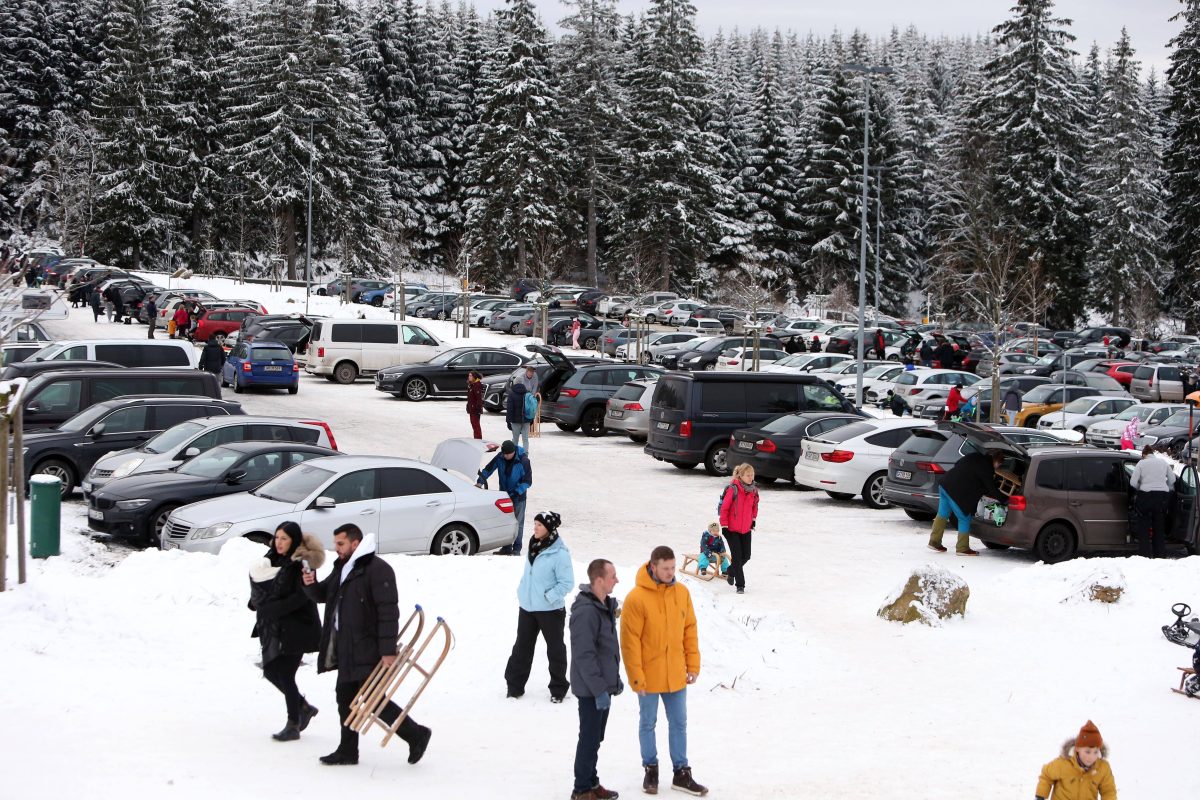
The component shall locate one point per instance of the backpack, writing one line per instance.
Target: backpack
(531, 405)
(732, 485)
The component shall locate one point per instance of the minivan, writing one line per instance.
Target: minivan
(694, 414)
(52, 398)
(343, 350)
(1156, 383)
(126, 352)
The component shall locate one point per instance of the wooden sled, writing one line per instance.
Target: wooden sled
(691, 566)
(1184, 674)
(382, 684)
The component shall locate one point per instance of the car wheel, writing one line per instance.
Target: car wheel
(562, 426)
(224, 383)
(637, 437)
(417, 389)
(682, 464)
(839, 495)
(154, 531)
(650, 318)
(589, 343)
(710, 366)
(237, 386)
(1031, 421)
(57, 468)
(322, 293)
(1055, 543)
(592, 422)
(919, 516)
(873, 491)
(377, 301)
(767, 479)
(995, 546)
(716, 460)
(456, 539)
(645, 358)
(293, 389)
(1081, 430)
(259, 537)
(513, 328)
(345, 372)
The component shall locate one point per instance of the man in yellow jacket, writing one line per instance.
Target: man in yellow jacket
(662, 656)
(1081, 772)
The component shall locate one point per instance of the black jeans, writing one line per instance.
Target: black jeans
(739, 554)
(592, 722)
(1151, 507)
(349, 741)
(281, 672)
(150, 330)
(550, 624)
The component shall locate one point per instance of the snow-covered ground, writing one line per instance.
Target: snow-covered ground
(140, 669)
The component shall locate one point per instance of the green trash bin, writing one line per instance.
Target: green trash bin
(45, 515)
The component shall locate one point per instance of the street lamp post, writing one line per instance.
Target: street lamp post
(866, 72)
(308, 220)
(878, 224)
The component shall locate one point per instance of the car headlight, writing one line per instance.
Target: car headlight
(132, 505)
(212, 531)
(128, 467)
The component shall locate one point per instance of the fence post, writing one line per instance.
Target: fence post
(4, 445)
(18, 483)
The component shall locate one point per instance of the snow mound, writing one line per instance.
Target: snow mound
(931, 594)
(1104, 585)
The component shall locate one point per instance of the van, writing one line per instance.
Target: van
(126, 352)
(344, 350)
(693, 415)
(52, 398)
(1157, 383)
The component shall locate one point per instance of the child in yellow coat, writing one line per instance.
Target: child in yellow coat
(1081, 772)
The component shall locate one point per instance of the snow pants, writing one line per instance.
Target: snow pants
(551, 625)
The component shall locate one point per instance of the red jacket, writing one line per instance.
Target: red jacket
(739, 507)
(475, 397)
(954, 400)
(181, 317)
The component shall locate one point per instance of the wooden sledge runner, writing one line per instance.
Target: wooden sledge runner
(382, 684)
(691, 566)
(1184, 674)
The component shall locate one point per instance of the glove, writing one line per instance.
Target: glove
(725, 532)
(603, 701)
(620, 688)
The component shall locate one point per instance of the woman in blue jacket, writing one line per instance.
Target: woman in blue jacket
(547, 579)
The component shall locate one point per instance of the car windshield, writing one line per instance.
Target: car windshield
(879, 372)
(172, 437)
(1177, 420)
(1141, 412)
(210, 464)
(1080, 406)
(84, 419)
(1047, 360)
(294, 485)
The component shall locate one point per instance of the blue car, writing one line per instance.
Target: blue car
(256, 363)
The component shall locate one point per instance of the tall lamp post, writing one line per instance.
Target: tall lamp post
(878, 171)
(308, 219)
(866, 72)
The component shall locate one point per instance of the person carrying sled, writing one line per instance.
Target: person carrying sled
(1081, 773)
(712, 551)
(738, 515)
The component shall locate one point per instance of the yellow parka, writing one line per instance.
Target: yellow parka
(658, 635)
(1070, 781)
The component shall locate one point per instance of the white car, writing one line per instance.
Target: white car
(481, 310)
(807, 362)
(411, 506)
(881, 376)
(853, 459)
(741, 359)
(1079, 414)
(704, 325)
(802, 325)
(613, 305)
(922, 384)
(823, 333)
(663, 338)
(841, 369)
(1108, 433)
(680, 311)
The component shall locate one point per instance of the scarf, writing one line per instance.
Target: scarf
(537, 545)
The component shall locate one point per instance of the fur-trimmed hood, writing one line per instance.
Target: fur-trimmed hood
(310, 548)
(1068, 749)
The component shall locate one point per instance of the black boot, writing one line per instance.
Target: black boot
(650, 782)
(307, 712)
(417, 744)
(338, 759)
(683, 782)
(290, 733)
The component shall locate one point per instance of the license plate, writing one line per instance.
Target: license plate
(615, 414)
(663, 426)
(95, 513)
(903, 475)
(745, 445)
(167, 544)
(272, 369)
(86, 486)
(812, 455)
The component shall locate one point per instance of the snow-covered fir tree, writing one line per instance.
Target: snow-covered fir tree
(1183, 166)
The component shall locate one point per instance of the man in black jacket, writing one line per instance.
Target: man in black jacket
(595, 672)
(212, 357)
(960, 491)
(945, 354)
(362, 617)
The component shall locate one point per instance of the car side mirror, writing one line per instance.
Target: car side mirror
(191, 452)
(237, 476)
(98, 430)
(324, 502)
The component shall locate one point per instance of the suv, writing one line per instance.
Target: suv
(575, 396)
(1067, 500)
(1153, 383)
(1118, 337)
(52, 398)
(921, 385)
(694, 415)
(69, 451)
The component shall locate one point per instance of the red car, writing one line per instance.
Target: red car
(221, 321)
(1119, 371)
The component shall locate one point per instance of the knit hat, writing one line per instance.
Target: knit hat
(550, 519)
(1089, 736)
(714, 528)
(508, 447)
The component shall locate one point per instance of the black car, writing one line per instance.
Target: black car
(704, 357)
(445, 375)
(29, 367)
(69, 451)
(773, 448)
(587, 301)
(1061, 359)
(427, 303)
(139, 505)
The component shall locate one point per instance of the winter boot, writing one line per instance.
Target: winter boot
(650, 782)
(964, 545)
(600, 793)
(290, 733)
(683, 782)
(307, 712)
(418, 743)
(339, 759)
(588, 795)
(935, 535)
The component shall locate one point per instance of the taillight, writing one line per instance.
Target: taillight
(245, 366)
(1016, 502)
(295, 367)
(320, 352)
(634, 407)
(685, 428)
(732, 361)
(931, 466)
(569, 392)
(837, 456)
(765, 446)
(913, 391)
(608, 340)
(325, 426)
(505, 504)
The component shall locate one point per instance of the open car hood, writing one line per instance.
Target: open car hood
(983, 438)
(462, 455)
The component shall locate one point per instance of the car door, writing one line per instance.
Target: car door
(256, 470)
(414, 505)
(418, 345)
(356, 498)
(1098, 497)
(118, 430)
(381, 348)
(453, 378)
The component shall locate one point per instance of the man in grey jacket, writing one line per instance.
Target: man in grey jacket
(1153, 480)
(595, 672)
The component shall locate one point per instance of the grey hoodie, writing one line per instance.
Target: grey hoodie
(595, 648)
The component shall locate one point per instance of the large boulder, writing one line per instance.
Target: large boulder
(930, 595)
(1105, 585)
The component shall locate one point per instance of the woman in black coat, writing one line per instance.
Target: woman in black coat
(287, 624)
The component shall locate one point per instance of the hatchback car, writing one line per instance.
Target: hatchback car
(922, 386)
(741, 359)
(773, 448)
(624, 349)
(222, 321)
(265, 364)
(799, 363)
(629, 409)
(853, 459)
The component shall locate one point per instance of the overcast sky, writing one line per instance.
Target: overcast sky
(1101, 21)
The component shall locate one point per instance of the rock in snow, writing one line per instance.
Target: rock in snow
(930, 595)
(1105, 585)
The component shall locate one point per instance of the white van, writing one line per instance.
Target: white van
(126, 352)
(342, 350)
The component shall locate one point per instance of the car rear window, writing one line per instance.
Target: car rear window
(922, 445)
(630, 391)
(1143, 373)
(671, 394)
(272, 354)
(892, 438)
(788, 423)
(848, 432)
